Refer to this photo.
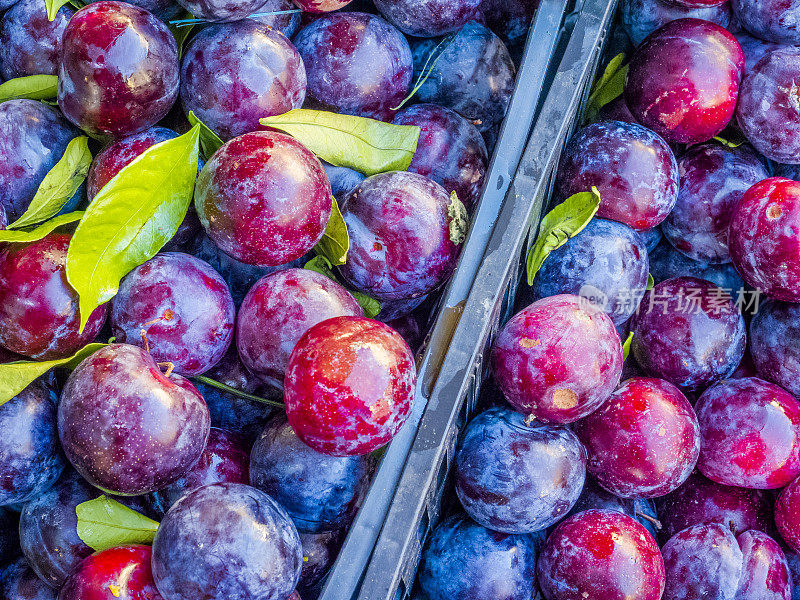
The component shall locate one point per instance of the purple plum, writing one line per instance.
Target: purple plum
(29, 42)
(594, 496)
(666, 262)
(319, 552)
(754, 49)
(343, 180)
(428, 18)
(19, 582)
(771, 20)
(511, 20)
(765, 572)
(640, 18)
(775, 344)
(275, 13)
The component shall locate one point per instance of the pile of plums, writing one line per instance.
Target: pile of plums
(172, 418)
(673, 472)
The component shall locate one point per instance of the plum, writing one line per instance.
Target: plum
(105, 47)
(349, 385)
(765, 572)
(594, 496)
(321, 6)
(392, 310)
(764, 234)
(222, 525)
(428, 18)
(771, 20)
(264, 198)
(650, 238)
(29, 42)
(450, 150)
(787, 514)
(222, 10)
(689, 332)
(633, 169)
(514, 478)
(754, 49)
(557, 360)
(19, 582)
(123, 572)
(683, 80)
(183, 305)
(474, 75)
(38, 308)
(510, 19)
(278, 310)
(750, 432)
(128, 428)
(775, 344)
(275, 13)
(644, 441)
(601, 554)
(464, 560)
(357, 64)
(666, 262)
(30, 461)
(234, 74)
(33, 137)
(640, 18)
(768, 112)
(703, 561)
(713, 180)
(343, 180)
(319, 492)
(319, 552)
(401, 246)
(606, 264)
(165, 10)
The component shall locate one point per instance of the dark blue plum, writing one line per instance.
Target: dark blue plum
(226, 541)
(754, 49)
(510, 19)
(9, 535)
(650, 237)
(428, 18)
(30, 460)
(19, 582)
(397, 309)
(222, 10)
(666, 262)
(463, 560)
(775, 344)
(287, 23)
(320, 492)
(474, 75)
(606, 264)
(29, 42)
(640, 18)
(163, 9)
(319, 552)
(516, 478)
(343, 180)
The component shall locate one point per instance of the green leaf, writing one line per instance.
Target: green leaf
(335, 242)
(234, 392)
(362, 144)
(459, 219)
(33, 87)
(565, 221)
(59, 185)
(371, 306)
(131, 219)
(210, 142)
(181, 28)
(609, 87)
(16, 236)
(322, 265)
(53, 6)
(16, 376)
(732, 137)
(104, 523)
(650, 281)
(626, 346)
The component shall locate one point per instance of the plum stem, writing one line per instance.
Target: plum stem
(170, 366)
(656, 523)
(167, 316)
(234, 392)
(143, 333)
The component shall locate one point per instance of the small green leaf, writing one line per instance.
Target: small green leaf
(181, 28)
(53, 6)
(459, 219)
(33, 87)
(335, 242)
(732, 137)
(59, 185)
(210, 142)
(18, 236)
(104, 523)
(371, 306)
(362, 144)
(16, 376)
(565, 221)
(650, 281)
(234, 392)
(322, 265)
(626, 346)
(609, 87)
(131, 219)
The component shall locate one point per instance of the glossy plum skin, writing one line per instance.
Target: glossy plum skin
(105, 47)
(764, 237)
(278, 310)
(703, 561)
(775, 344)
(633, 169)
(33, 137)
(640, 18)
(226, 459)
(465, 560)
(602, 554)
(765, 572)
(349, 385)
(400, 240)
(183, 305)
(321, 6)
(606, 263)
(319, 492)
(685, 104)
(558, 359)
(713, 180)
(474, 75)
(321, 550)
(287, 24)
(357, 64)
(121, 573)
(689, 332)
(514, 478)
(644, 441)
(767, 112)
(19, 582)
(787, 510)
(666, 262)
(700, 501)
(234, 74)
(754, 49)
(593, 496)
(39, 315)
(223, 10)
(343, 180)
(264, 198)
(221, 525)
(29, 43)
(751, 434)
(428, 18)
(450, 151)
(29, 458)
(769, 20)
(164, 419)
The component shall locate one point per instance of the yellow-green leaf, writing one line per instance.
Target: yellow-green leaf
(626, 346)
(608, 88)
(104, 523)
(15, 236)
(53, 6)
(33, 87)
(458, 219)
(650, 281)
(335, 242)
(321, 265)
(210, 142)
